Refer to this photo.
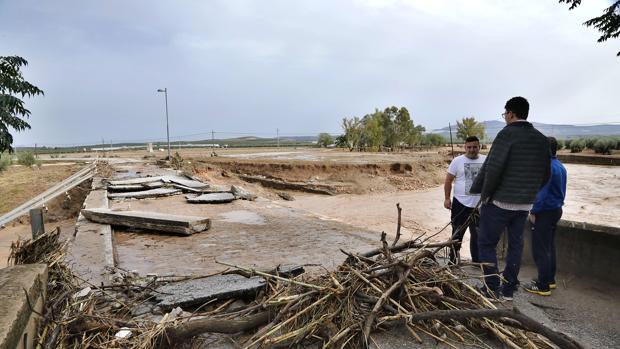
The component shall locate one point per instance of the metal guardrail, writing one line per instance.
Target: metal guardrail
(49, 194)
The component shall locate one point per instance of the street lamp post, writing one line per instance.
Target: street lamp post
(165, 91)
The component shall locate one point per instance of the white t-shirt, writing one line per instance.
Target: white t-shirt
(465, 170)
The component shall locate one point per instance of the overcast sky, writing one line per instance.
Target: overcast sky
(301, 66)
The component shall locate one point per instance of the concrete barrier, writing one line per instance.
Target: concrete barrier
(583, 249)
(22, 288)
(589, 159)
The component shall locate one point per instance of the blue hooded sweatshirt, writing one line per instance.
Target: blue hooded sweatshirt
(551, 196)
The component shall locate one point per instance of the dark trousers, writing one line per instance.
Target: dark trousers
(459, 216)
(543, 245)
(493, 220)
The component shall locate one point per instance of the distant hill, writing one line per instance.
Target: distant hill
(245, 141)
(559, 131)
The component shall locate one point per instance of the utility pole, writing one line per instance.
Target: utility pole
(278, 136)
(35, 151)
(212, 139)
(165, 91)
(451, 144)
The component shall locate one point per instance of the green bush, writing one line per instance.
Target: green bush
(324, 139)
(433, 139)
(341, 141)
(604, 146)
(577, 146)
(560, 144)
(5, 162)
(567, 143)
(26, 159)
(176, 161)
(589, 142)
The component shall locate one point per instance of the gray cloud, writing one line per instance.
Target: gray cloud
(254, 66)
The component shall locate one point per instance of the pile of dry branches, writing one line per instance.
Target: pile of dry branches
(403, 285)
(384, 290)
(73, 318)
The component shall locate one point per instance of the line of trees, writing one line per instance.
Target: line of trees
(600, 145)
(386, 129)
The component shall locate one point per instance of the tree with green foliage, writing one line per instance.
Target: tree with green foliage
(403, 127)
(390, 128)
(13, 87)
(577, 146)
(341, 142)
(608, 23)
(469, 127)
(387, 119)
(415, 136)
(373, 134)
(353, 129)
(604, 146)
(433, 139)
(325, 139)
(589, 142)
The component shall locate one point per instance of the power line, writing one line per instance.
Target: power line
(279, 134)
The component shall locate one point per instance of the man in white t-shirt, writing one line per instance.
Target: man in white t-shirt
(462, 171)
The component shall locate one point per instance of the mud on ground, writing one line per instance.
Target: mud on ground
(250, 233)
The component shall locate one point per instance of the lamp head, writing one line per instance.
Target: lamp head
(160, 90)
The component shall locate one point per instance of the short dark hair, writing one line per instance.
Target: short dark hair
(553, 145)
(519, 106)
(472, 139)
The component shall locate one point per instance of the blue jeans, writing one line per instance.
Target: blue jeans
(493, 220)
(543, 245)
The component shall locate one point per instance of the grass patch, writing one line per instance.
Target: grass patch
(5, 162)
(18, 184)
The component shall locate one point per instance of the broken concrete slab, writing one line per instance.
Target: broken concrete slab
(196, 292)
(217, 189)
(185, 225)
(139, 180)
(135, 187)
(213, 198)
(144, 194)
(241, 193)
(288, 270)
(186, 182)
(91, 251)
(188, 189)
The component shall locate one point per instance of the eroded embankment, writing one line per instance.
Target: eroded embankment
(345, 178)
(66, 206)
